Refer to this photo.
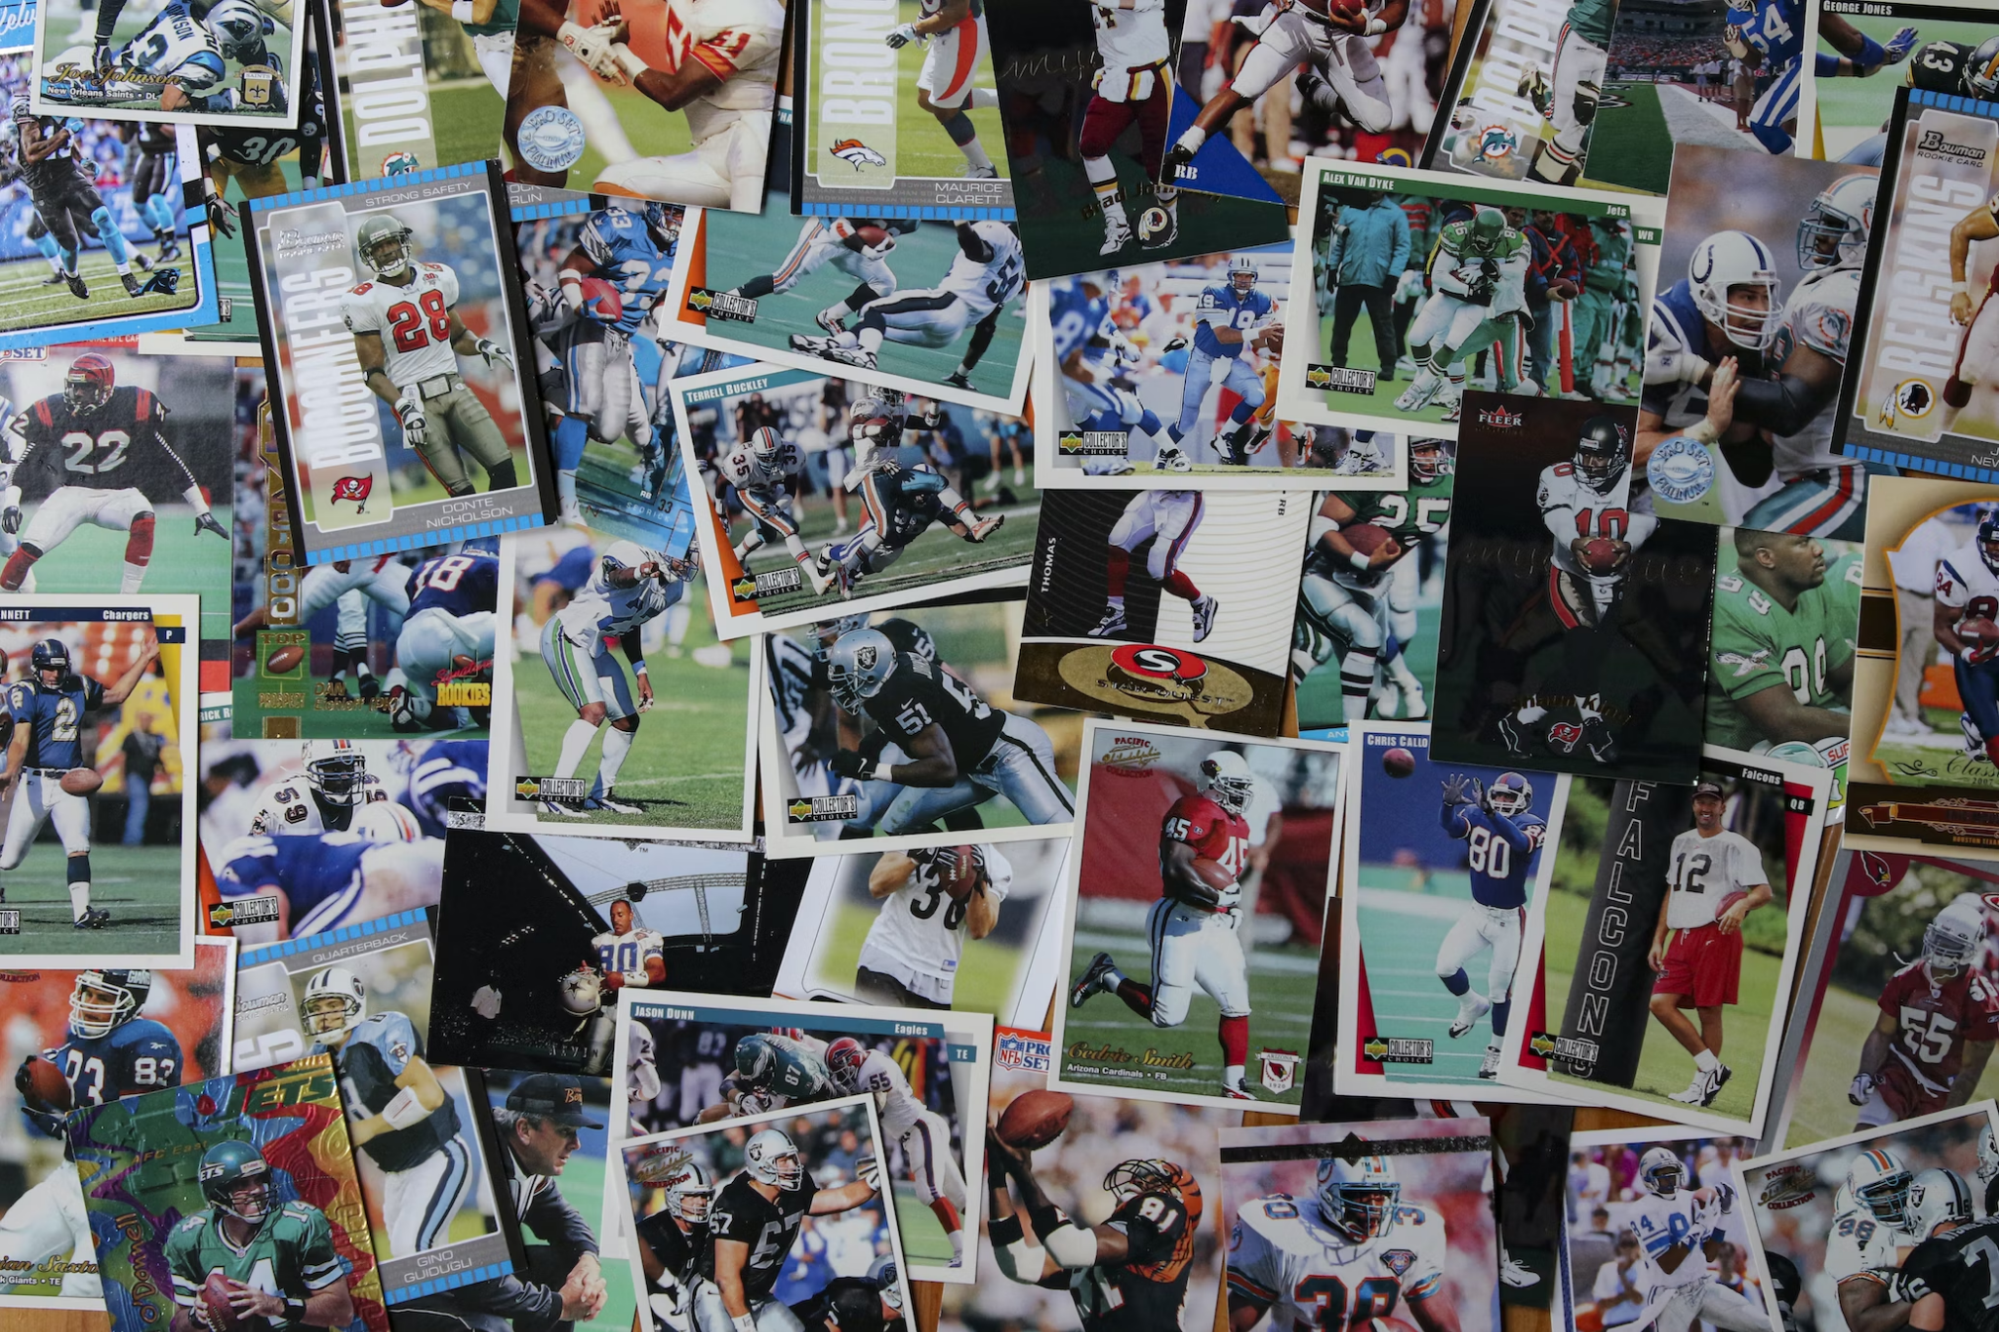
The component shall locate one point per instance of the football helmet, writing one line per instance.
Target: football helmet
(1430, 459)
(106, 997)
(1879, 1182)
(50, 655)
(337, 773)
(1242, 273)
(1953, 938)
(582, 991)
(884, 1274)
(232, 1166)
(844, 1059)
(1603, 451)
(1359, 1195)
(688, 1192)
(1723, 262)
(1487, 229)
(754, 1059)
(663, 221)
(764, 445)
(1833, 232)
(1988, 541)
(384, 243)
(89, 384)
(828, 632)
(1149, 1175)
(1510, 794)
(859, 665)
(385, 821)
(239, 29)
(1937, 1196)
(1988, 1156)
(771, 1157)
(333, 1005)
(1228, 780)
(1662, 1171)
(1980, 76)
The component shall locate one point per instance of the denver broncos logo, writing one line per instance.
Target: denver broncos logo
(857, 154)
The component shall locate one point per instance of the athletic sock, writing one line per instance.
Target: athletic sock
(617, 744)
(574, 742)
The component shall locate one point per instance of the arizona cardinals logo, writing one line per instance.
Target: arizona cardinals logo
(354, 488)
(857, 154)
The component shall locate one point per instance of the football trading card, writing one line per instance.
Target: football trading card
(1381, 621)
(1925, 316)
(1530, 1151)
(1136, 352)
(1495, 284)
(1851, 99)
(1758, 453)
(899, 119)
(237, 64)
(266, 1223)
(417, 86)
(1148, 1169)
(93, 222)
(538, 935)
(384, 644)
(362, 996)
(1206, 636)
(847, 489)
(690, 1059)
(930, 308)
(97, 687)
(1634, 1199)
(102, 1034)
(1441, 897)
(304, 837)
(1581, 617)
(1197, 853)
(869, 930)
(1828, 1223)
(885, 726)
(17, 25)
(1385, 1215)
(1660, 963)
(121, 479)
(392, 402)
(1087, 92)
(1489, 121)
(751, 1182)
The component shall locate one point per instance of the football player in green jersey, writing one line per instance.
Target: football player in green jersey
(1570, 104)
(1479, 300)
(1783, 643)
(773, 1069)
(278, 1258)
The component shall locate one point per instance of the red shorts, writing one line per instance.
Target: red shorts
(1104, 121)
(1703, 965)
(1903, 1096)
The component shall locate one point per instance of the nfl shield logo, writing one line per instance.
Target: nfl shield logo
(1280, 1069)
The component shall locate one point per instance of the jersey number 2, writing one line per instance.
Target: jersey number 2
(414, 328)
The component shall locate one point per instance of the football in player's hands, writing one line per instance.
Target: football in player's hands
(603, 300)
(1980, 634)
(215, 1304)
(958, 870)
(1035, 1119)
(1215, 875)
(1367, 538)
(1600, 555)
(39, 1080)
(870, 235)
(1271, 340)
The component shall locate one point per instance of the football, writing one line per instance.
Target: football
(870, 234)
(966, 874)
(1367, 538)
(1398, 763)
(48, 1085)
(1035, 1119)
(1214, 874)
(603, 299)
(1600, 554)
(284, 659)
(215, 1297)
(81, 781)
(1978, 630)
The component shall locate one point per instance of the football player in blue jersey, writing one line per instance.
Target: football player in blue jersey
(1502, 837)
(1092, 352)
(1226, 321)
(631, 251)
(1768, 35)
(319, 881)
(51, 721)
(447, 635)
(437, 774)
(398, 1112)
(108, 1052)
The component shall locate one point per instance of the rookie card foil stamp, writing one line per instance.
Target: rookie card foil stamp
(1161, 605)
(897, 119)
(394, 325)
(239, 1194)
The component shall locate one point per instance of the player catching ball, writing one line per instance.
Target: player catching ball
(932, 900)
(1717, 879)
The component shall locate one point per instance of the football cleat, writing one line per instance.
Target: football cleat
(1170, 459)
(615, 807)
(832, 319)
(1511, 1271)
(53, 280)
(169, 249)
(93, 918)
(986, 527)
(1471, 1008)
(1232, 445)
(822, 582)
(958, 379)
(1237, 1092)
(561, 811)
(1418, 395)
(1974, 744)
(1116, 237)
(132, 285)
(1204, 609)
(1597, 739)
(1091, 981)
(1112, 623)
(1715, 1080)
(77, 286)
(1692, 1094)
(1509, 735)
(1489, 1068)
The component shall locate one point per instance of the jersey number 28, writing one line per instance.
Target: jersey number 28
(416, 324)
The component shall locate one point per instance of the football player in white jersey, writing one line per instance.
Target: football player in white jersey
(1134, 87)
(414, 368)
(336, 784)
(922, 1134)
(839, 242)
(955, 31)
(1870, 1228)
(630, 586)
(986, 273)
(1967, 591)
(1357, 1231)
(1681, 1230)
(1169, 519)
(628, 954)
(761, 469)
(723, 58)
(911, 955)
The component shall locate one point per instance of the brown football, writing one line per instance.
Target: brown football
(966, 874)
(284, 659)
(1036, 1118)
(1398, 763)
(81, 781)
(1600, 554)
(48, 1084)
(1978, 629)
(1367, 538)
(870, 234)
(1214, 874)
(215, 1295)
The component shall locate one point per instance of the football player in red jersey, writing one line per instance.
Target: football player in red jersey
(1129, 1271)
(1193, 927)
(1939, 1017)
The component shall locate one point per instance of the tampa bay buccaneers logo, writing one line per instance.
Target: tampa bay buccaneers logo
(857, 154)
(355, 489)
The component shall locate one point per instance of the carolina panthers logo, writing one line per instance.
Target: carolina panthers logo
(857, 154)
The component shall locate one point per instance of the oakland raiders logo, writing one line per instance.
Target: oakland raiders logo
(864, 657)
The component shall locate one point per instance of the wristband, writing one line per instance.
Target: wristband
(462, 10)
(638, 668)
(294, 1307)
(745, 1323)
(1703, 431)
(1960, 289)
(1375, 27)
(404, 1110)
(883, 771)
(1358, 561)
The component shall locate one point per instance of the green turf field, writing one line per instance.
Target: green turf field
(986, 971)
(923, 1238)
(1664, 1067)
(1282, 982)
(465, 119)
(685, 769)
(182, 563)
(610, 502)
(1381, 403)
(1942, 761)
(1630, 148)
(26, 303)
(1058, 218)
(1851, 110)
(1400, 941)
(1319, 693)
(232, 270)
(126, 881)
(741, 246)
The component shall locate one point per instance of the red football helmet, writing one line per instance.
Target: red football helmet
(89, 383)
(844, 1059)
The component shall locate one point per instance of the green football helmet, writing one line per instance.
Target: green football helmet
(229, 1167)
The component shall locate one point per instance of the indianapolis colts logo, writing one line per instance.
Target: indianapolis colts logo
(857, 154)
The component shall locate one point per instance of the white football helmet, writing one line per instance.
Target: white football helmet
(1951, 942)
(1662, 1171)
(386, 821)
(772, 1158)
(1879, 1182)
(334, 1004)
(1988, 1157)
(1833, 232)
(1730, 259)
(582, 991)
(688, 1192)
(1935, 1197)
(1229, 780)
(1359, 1196)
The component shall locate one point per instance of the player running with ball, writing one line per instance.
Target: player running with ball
(1502, 837)
(1681, 1230)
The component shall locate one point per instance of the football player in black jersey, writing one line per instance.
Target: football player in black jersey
(756, 1219)
(1129, 1271)
(1951, 1275)
(254, 156)
(149, 168)
(674, 1242)
(61, 181)
(961, 751)
(1786, 1284)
